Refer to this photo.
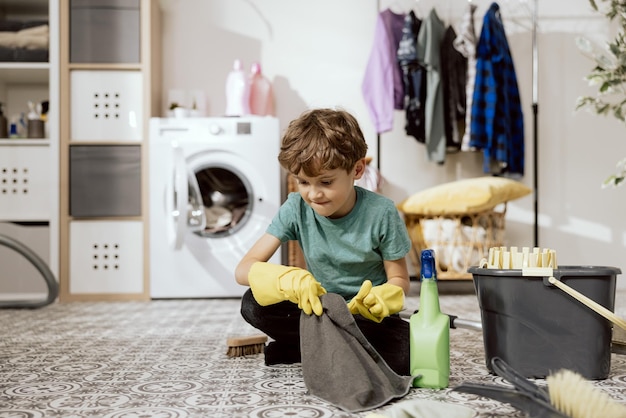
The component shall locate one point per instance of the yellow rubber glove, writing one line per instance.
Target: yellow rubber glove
(273, 283)
(377, 302)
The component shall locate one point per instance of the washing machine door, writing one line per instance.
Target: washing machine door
(183, 201)
(239, 198)
(226, 195)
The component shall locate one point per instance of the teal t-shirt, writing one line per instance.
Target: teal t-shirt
(342, 253)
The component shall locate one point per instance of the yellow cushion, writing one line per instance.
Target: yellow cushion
(464, 196)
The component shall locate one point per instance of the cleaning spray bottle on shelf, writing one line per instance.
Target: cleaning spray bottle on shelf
(429, 332)
(237, 91)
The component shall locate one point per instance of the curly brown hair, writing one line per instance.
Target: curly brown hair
(320, 140)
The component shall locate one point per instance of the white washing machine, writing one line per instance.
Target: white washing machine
(214, 188)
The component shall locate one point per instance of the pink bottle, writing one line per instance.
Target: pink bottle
(261, 95)
(237, 91)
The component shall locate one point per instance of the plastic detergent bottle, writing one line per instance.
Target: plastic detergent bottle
(261, 96)
(429, 332)
(13, 133)
(237, 91)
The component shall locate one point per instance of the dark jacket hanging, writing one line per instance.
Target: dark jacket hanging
(453, 82)
(414, 78)
(497, 120)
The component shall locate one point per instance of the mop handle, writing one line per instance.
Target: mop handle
(589, 303)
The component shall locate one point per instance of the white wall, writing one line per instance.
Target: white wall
(315, 53)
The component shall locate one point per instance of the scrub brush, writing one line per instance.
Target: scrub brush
(246, 346)
(568, 395)
(571, 394)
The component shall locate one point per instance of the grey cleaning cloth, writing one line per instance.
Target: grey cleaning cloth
(340, 366)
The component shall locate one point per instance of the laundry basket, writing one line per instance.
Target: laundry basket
(459, 241)
(460, 220)
(295, 257)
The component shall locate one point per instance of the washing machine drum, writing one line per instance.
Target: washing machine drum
(226, 200)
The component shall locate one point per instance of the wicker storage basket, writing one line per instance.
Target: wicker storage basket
(295, 257)
(459, 241)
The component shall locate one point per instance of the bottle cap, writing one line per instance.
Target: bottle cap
(429, 270)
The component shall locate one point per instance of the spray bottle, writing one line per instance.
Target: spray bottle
(429, 332)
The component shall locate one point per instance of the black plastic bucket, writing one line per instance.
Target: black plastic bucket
(538, 329)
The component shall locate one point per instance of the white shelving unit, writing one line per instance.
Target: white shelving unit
(108, 99)
(29, 168)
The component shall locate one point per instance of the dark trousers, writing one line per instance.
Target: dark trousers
(281, 322)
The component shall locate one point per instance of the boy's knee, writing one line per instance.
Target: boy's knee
(248, 307)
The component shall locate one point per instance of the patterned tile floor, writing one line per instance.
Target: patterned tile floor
(167, 359)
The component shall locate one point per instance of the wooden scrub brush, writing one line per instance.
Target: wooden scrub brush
(246, 346)
(568, 395)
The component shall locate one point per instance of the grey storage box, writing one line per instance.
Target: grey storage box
(104, 31)
(105, 180)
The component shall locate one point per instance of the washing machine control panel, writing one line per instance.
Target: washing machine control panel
(244, 128)
(240, 128)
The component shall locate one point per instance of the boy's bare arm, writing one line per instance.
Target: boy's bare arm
(398, 274)
(262, 250)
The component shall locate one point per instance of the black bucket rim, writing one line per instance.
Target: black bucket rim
(565, 270)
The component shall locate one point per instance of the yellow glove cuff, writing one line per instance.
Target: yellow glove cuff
(273, 283)
(392, 295)
(264, 280)
(377, 302)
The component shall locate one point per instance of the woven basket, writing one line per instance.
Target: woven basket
(295, 257)
(459, 241)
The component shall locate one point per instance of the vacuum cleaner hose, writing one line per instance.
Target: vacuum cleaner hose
(455, 321)
(41, 266)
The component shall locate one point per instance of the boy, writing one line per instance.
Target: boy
(354, 244)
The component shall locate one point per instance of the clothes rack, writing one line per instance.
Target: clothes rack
(535, 106)
(535, 117)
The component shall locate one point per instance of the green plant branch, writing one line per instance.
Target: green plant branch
(609, 75)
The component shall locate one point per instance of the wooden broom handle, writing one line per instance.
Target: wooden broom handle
(589, 303)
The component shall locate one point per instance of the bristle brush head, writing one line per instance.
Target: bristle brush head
(245, 350)
(245, 346)
(575, 397)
